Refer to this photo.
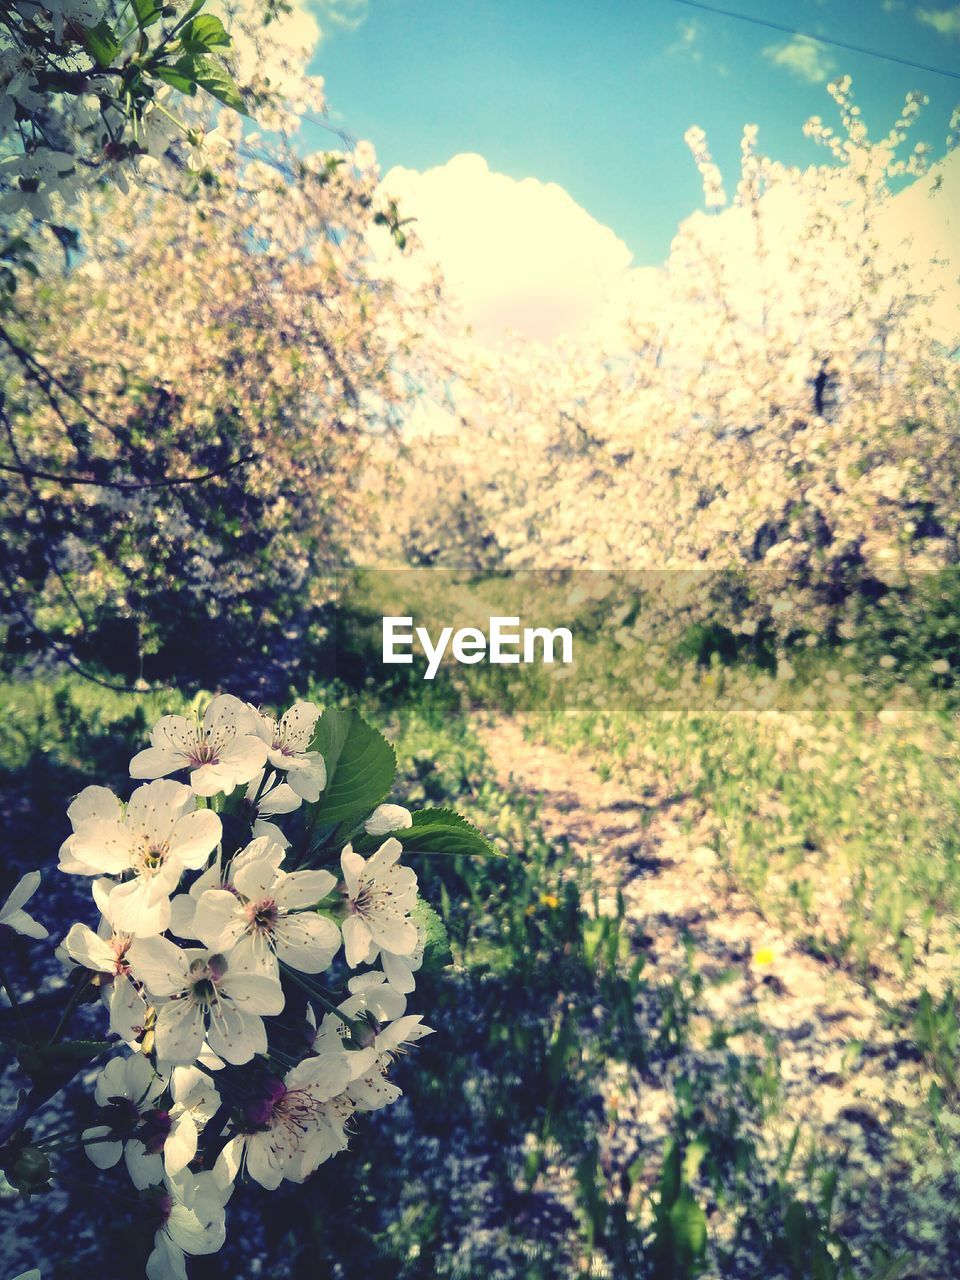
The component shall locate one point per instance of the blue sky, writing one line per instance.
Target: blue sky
(596, 97)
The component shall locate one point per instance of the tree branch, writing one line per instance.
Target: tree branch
(61, 650)
(129, 486)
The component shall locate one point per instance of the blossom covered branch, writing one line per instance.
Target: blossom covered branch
(223, 893)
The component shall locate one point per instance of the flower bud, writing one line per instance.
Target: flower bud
(30, 1170)
(386, 818)
(365, 1031)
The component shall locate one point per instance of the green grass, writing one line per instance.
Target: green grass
(497, 1162)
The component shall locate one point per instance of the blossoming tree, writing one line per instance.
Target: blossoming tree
(188, 401)
(778, 401)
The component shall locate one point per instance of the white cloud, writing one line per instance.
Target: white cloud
(803, 57)
(516, 254)
(523, 256)
(348, 14)
(946, 22)
(688, 34)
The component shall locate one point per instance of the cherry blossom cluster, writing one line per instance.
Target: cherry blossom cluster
(96, 93)
(215, 923)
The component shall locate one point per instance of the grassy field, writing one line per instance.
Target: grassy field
(528, 1143)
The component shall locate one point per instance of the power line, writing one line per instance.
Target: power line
(838, 44)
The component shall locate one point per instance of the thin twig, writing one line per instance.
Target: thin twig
(130, 486)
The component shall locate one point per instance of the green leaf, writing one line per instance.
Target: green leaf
(201, 33)
(101, 43)
(437, 831)
(436, 943)
(15, 246)
(180, 76)
(797, 1228)
(146, 12)
(214, 78)
(688, 1225)
(360, 767)
(53, 1060)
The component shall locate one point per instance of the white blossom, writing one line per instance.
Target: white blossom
(205, 995)
(192, 1210)
(160, 835)
(379, 898)
(93, 803)
(291, 1123)
(12, 913)
(271, 800)
(369, 1089)
(127, 1090)
(221, 751)
(288, 741)
(266, 913)
(105, 954)
(398, 970)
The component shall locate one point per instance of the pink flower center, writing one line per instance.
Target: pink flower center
(155, 1130)
(158, 1209)
(262, 916)
(259, 1110)
(205, 975)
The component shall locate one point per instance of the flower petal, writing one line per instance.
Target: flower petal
(156, 762)
(394, 934)
(279, 799)
(307, 942)
(195, 836)
(386, 818)
(139, 907)
(265, 1162)
(297, 725)
(236, 1035)
(219, 920)
(356, 940)
(127, 1008)
(154, 807)
(103, 1154)
(254, 880)
(103, 846)
(352, 866)
(211, 779)
(254, 992)
(244, 756)
(159, 964)
(226, 716)
(308, 776)
(398, 972)
(94, 802)
(89, 949)
(324, 1074)
(166, 1262)
(179, 1032)
(303, 889)
(145, 1170)
(22, 923)
(181, 1144)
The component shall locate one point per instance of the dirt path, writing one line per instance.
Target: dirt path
(856, 1085)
